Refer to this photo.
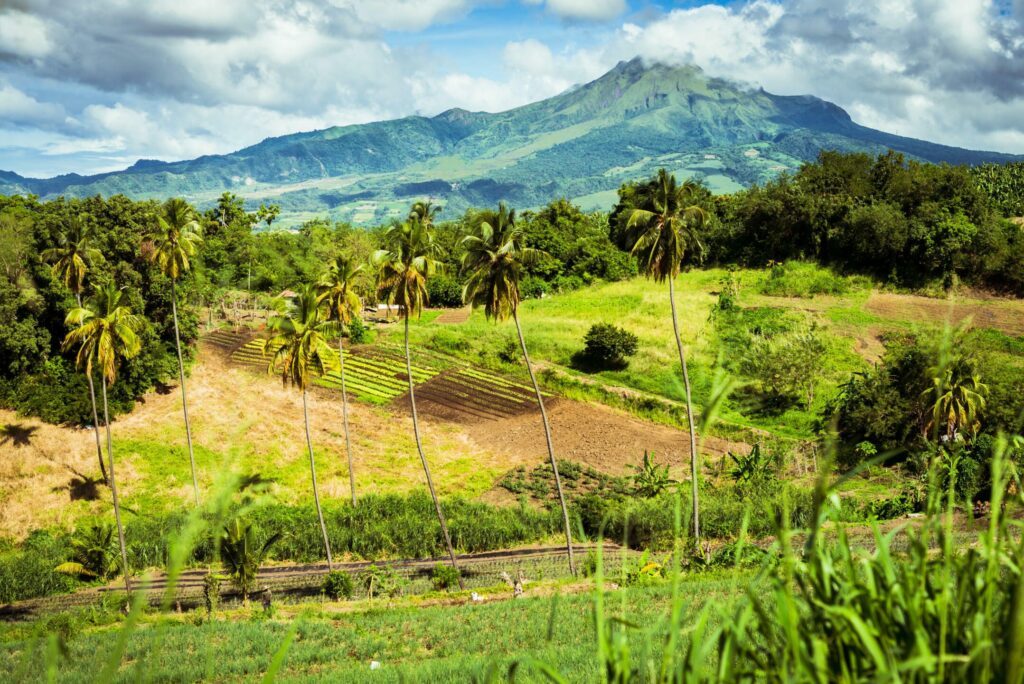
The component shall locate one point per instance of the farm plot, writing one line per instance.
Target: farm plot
(226, 340)
(470, 395)
(376, 378)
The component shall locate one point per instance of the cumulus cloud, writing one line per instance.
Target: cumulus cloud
(588, 10)
(23, 36)
(174, 79)
(20, 109)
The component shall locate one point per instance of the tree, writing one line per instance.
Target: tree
(424, 212)
(337, 289)
(957, 401)
(173, 239)
(408, 260)
(662, 229)
(70, 261)
(241, 555)
(297, 347)
(494, 259)
(105, 333)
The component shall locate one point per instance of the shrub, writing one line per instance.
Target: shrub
(94, 552)
(806, 279)
(649, 480)
(358, 332)
(510, 351)
(607, 347)
(533, 287)
(382, 580)
(338, 585)
(444, 577)
(444, 291)
(788, 365)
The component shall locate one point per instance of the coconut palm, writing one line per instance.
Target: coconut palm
(493, 261)
(70, 261)
(663, 229)
(105, 332)
(957, 400)
(174, 238)
(403, 267)
(297, 349)
(424, 212)
(337, 290)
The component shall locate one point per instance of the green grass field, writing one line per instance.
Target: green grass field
(413, 641)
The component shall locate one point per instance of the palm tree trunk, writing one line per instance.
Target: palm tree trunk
(423, 459)
(316, 491)
(551, 447)
(689, 414)
(344, 413)
(113, 491)
(95, 416)
(184, 401)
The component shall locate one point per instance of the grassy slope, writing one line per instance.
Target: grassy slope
(853, 322)
(338, 641)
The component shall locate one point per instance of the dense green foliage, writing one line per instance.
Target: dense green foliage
(903, 221)
(1004, 183)
(607, 346)
(35, 377)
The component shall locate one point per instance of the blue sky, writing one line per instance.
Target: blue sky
(92, 87)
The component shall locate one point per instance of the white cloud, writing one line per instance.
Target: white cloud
(23, 35)
(20, 109)
(406, 15)
(173, 79)
(588, 10)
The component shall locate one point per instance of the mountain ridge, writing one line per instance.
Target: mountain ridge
(581, 144)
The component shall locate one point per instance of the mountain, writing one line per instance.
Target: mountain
(581, 144)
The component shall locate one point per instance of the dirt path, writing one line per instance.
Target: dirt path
(1006, 315)
(454, 316)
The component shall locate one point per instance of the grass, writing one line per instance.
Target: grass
(410, 638)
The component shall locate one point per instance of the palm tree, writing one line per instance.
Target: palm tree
(663, 229)
(298, 346)
(338, 291)
(105, 332)
(493, 260)
(174, 238)
(70, 261)
(957, 400)
(404, 265)
(424, 212)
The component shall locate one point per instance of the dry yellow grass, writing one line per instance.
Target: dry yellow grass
(242, 421)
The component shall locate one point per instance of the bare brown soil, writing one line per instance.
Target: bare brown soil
(454, 316)
(1002, 314)
(608, 440)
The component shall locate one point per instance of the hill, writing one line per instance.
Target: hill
(581, 144)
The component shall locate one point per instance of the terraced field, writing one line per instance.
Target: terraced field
(468, 394)
(377, 375)
(374, 377)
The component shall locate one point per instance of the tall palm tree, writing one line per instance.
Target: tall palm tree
(424, 212)
(337, 289)
(105, 332)
(494, 258)
(957, 401)
(70, 261)
(298, 346)
(175, 237)
(408, 259)
(663, 230)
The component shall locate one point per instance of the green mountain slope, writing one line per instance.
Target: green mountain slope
(581, 144)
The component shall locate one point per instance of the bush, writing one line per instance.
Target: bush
(382, 580)
(606, 347)
(533, 287)
(787, 366)
(806, 279)
(444, 577)
(338, 585)
(358, 332)
(444, 291)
